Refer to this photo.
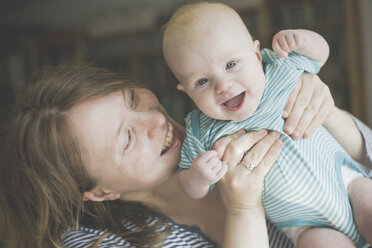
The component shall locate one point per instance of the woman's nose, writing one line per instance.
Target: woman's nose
(153, 121)
(222, 86)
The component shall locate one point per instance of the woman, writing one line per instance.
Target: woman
(87, 149)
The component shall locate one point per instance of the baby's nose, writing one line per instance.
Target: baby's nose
(222, 86)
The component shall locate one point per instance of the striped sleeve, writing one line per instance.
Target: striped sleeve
(294, 61)
(192, 146)
(300, 62)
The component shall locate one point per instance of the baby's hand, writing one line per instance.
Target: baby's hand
(207, 169)
(288, 40)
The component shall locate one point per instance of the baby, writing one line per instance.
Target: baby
(237, 86)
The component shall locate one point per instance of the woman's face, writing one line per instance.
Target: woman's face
(128, 140)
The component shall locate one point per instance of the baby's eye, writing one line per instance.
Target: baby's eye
(230, 65)
(202, 81)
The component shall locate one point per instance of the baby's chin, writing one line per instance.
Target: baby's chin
(239, 117)
(231, 116)
(242, 114)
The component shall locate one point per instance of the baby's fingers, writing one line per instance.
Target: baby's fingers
(283, 43)
(277, 47)
(291, 41)
(204, 157)
(220, 145)
(222, 170)
(236, 149)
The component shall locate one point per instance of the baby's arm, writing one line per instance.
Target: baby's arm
(206, 169)
(301, 41)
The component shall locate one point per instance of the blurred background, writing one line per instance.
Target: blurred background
(125, 36)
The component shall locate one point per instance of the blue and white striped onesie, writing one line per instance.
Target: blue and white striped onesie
(304, 187)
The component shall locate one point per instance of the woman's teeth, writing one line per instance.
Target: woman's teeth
(169, 138)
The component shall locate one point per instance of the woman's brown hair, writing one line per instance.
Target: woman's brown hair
(42, 173)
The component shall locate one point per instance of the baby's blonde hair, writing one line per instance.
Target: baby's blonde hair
(185, 18)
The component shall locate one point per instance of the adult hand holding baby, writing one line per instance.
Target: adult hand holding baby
(309, 105)
(310, 102)
(241, 189)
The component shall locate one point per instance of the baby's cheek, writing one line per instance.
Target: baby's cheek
(258, 90)
(208, 107)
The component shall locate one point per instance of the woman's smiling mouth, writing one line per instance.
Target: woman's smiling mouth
(168, 139)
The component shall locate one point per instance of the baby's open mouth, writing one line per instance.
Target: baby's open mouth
(168, 139)
(235, 102)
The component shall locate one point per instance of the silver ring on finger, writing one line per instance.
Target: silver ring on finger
(249, 166)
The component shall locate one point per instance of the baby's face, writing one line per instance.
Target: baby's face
(221, 71)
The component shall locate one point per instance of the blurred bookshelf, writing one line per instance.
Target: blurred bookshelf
(337, 21)
(137, 53)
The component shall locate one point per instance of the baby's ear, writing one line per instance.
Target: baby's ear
(256, 47)
(181, 87)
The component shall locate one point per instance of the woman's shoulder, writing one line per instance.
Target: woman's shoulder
(180, 236)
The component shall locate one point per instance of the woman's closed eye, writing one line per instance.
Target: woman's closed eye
(131, 99)
(130, 139)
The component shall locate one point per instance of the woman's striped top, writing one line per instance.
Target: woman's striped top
(181, 236)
